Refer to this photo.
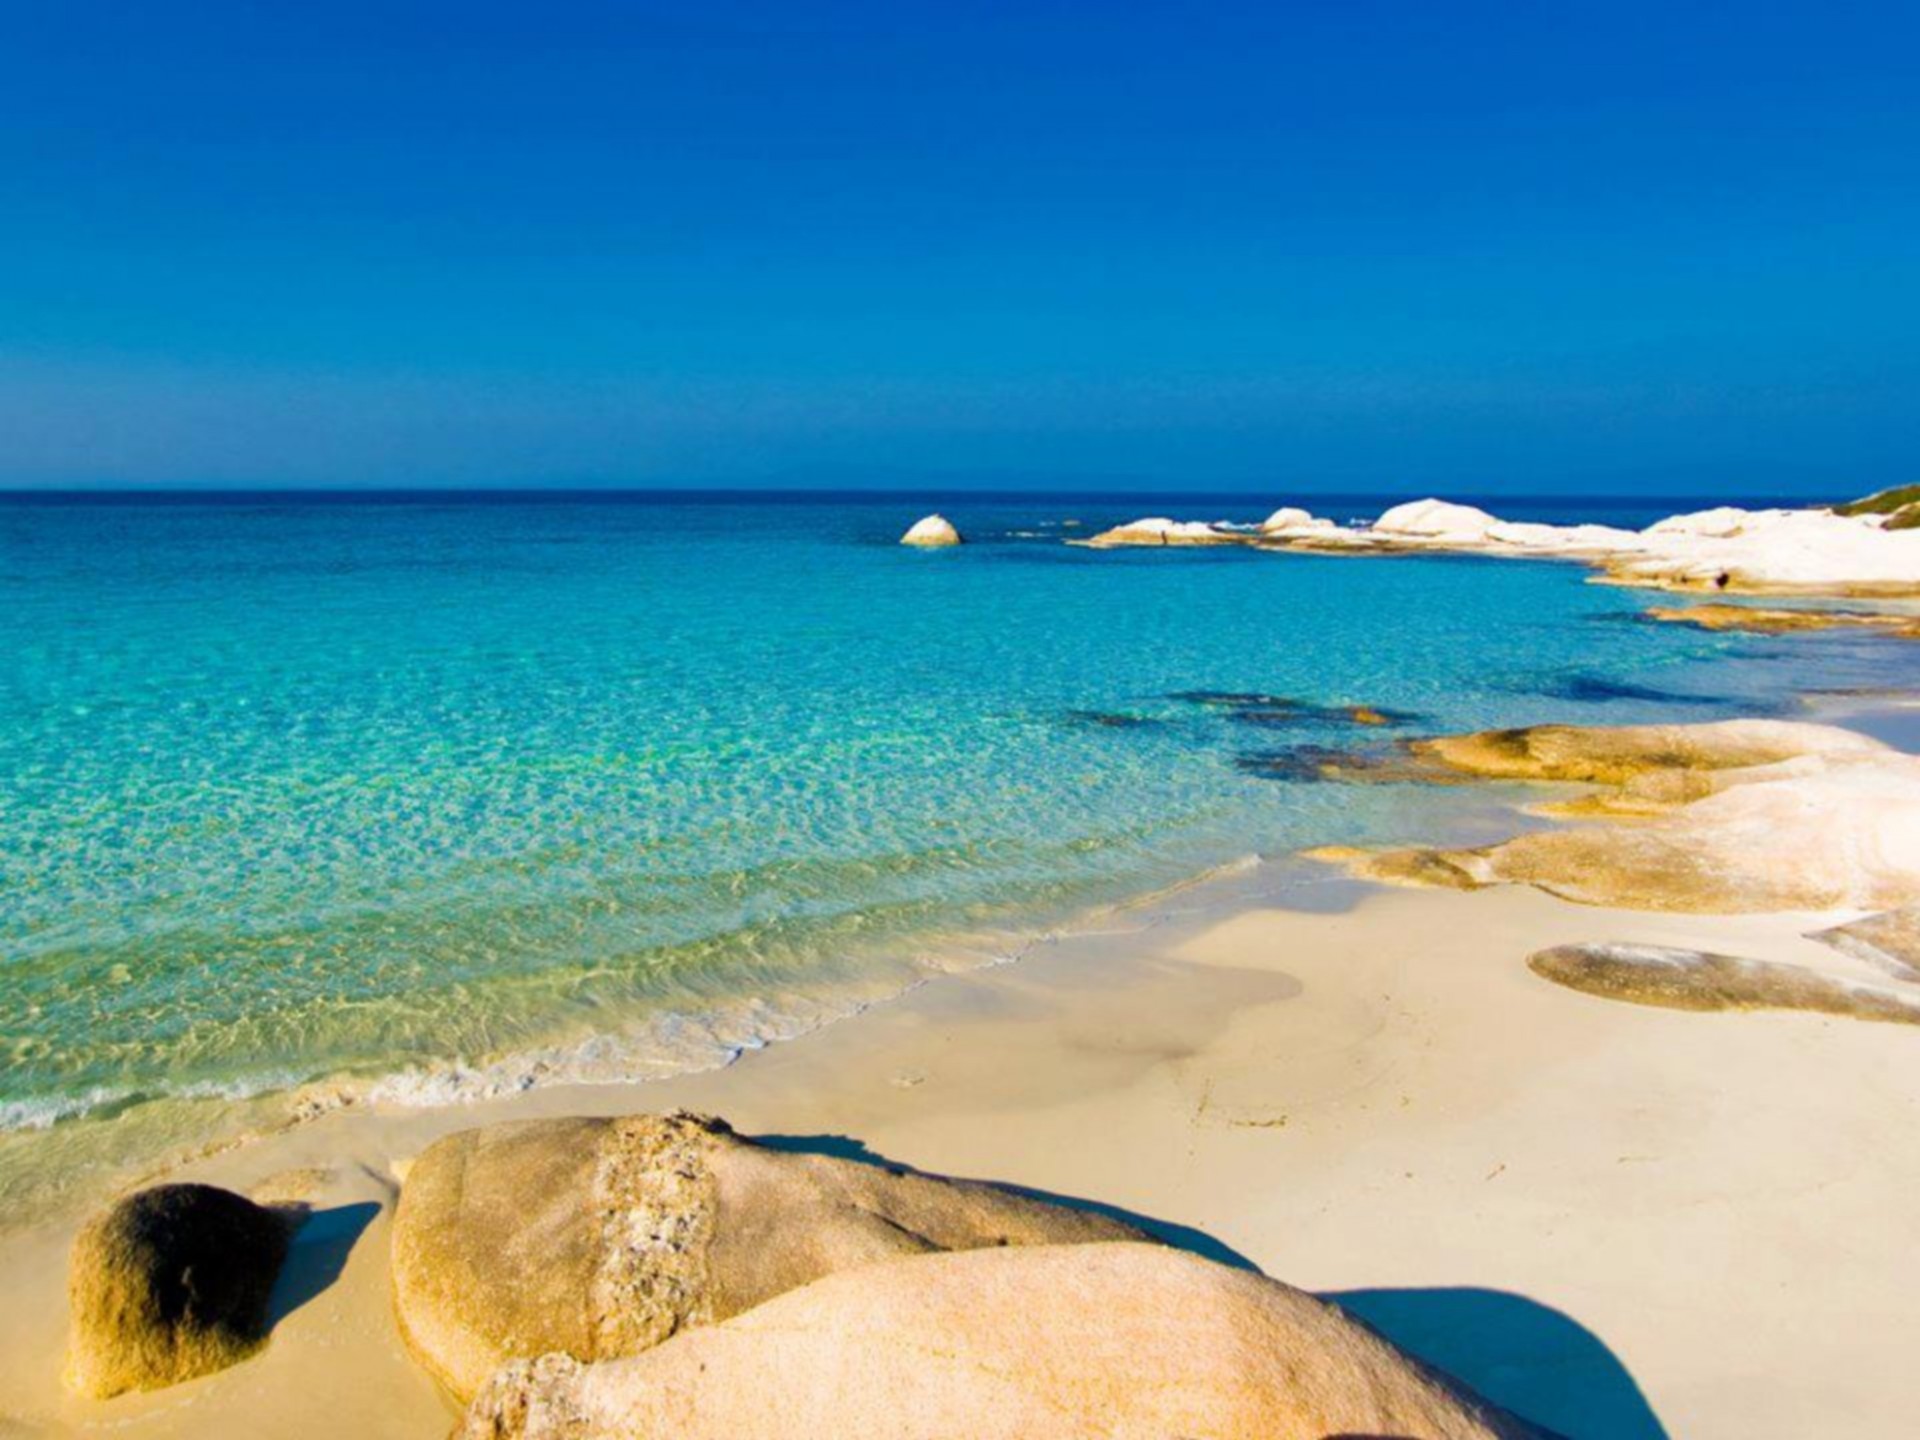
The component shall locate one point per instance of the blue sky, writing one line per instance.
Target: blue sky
(1519, 247)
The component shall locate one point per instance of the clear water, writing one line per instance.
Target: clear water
(566, 787)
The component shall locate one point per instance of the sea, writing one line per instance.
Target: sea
(411, 798)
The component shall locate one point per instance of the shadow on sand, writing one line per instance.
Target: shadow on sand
(1524, 1356)
(317, 1255)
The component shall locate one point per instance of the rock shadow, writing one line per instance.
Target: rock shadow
(1180, 1237)
(322, 1241)
(1527, 1357)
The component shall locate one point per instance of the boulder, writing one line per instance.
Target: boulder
(603, 1237)
(1292, 520)
(1437, 520)
(169, 1283)
(1616, 754)
(932, 530)
(1739, 816)
(1697, 980)
(1062, 1342)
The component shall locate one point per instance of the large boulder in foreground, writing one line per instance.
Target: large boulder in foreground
(932, 530)
(170, 1283)
(1062, 1342)
(603, 1237)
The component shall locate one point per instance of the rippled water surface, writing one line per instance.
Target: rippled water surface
(291, 789)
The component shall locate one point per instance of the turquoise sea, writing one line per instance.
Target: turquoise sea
(450, 795)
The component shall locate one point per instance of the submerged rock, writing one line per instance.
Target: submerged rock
(932, 530)
(169, 1283)
(1757, 621)
(603, 1237)
(1067, 1343)
(1697, 980)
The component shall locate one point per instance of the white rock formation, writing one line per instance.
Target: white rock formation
(1292, 520)
(933, 530)
(1437, 520)
(1159, 530)
(1814, 552)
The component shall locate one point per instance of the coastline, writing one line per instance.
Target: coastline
(1580, 1207)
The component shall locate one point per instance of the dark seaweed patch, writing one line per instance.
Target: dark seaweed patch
(1599, 689)
(1114, 720)
(1297, 763)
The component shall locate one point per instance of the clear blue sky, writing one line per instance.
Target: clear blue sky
(1523, 246)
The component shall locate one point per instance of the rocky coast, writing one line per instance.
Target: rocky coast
(1597, 1128)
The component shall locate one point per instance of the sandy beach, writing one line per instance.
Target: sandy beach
(1618, 1221)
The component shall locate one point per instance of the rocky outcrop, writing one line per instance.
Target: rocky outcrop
(1695, 980)
(170, 1283)
(1746, 815)
(1437, 520)
(1755, 620)
(1069, 1343)
(603, 1237)
(932, 530)
(1158, 530)
(1869, 548)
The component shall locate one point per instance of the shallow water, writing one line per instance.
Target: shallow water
(482, 792)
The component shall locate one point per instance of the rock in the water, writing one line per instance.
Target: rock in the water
(1438, 520)
(1755, 620)
(602, 1237)
(1158, 530)
(1738, 816)
(1061, 1342)
(932, 530)
(170, 1283)
(1696, 980)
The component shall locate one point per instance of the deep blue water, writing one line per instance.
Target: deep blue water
(292, 787)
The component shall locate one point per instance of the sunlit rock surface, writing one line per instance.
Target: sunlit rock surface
(603, 1237)
(1738, 816)
(932, 530)
(1063, 1342)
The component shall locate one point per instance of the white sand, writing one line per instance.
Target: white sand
(1598, 1214)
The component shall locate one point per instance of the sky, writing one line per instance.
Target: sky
(1526, 247)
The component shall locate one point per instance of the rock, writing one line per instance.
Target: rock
(169, 1283)
(1738, 816)
(1437, 520)
(1758, 621)
(1890, 940)
(1617, 754)
(1292, 520)
(932, 530)
(1159, 530)
(603, 1237)
(1845, 551)
(1696, 980)
(1062, 1342)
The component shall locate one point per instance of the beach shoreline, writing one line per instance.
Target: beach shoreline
(1581, 1208)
